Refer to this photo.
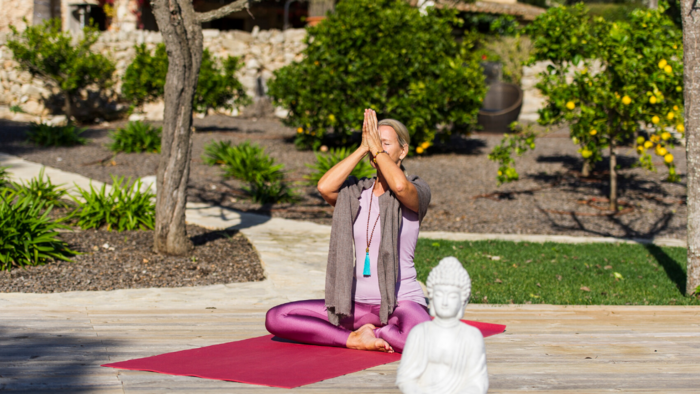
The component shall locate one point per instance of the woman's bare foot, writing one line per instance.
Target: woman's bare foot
(364, 339)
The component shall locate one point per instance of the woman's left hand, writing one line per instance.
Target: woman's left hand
(370, 132)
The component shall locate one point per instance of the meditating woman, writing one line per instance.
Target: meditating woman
(372, 296)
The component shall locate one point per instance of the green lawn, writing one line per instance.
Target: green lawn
(553, 273)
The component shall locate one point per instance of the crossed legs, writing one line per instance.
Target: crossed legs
(307, 322)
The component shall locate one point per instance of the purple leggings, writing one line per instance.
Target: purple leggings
(307, 322)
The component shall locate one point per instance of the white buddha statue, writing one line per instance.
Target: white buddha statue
(445, 355)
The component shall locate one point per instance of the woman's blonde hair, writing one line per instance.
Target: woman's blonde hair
(400, 129)
(401, 132)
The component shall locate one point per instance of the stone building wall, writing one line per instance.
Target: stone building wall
(13, 11)
(262, 52)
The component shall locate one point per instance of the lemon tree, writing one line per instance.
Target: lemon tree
(614, 83)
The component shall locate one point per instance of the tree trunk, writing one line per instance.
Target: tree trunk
(586, 170)
(690, 11)
(182, 35)
(68, 106)
(613, 176)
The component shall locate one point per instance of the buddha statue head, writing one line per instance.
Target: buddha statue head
(449, 288)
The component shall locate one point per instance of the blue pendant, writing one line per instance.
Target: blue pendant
(366, 271)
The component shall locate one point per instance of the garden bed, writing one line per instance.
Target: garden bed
(125, 260)
(550, 197)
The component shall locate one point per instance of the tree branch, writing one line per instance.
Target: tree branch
(223, 11)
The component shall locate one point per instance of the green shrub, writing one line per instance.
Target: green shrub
(136, 137)
(49, 135)
(4, 176)
(613, 12)
(38, 189)
(325, 162)
(384, 55)
(125, 207)
(144, 78)
(53, 56)
(245, 161)
(217, 87)
(271, 192)
(28, 236)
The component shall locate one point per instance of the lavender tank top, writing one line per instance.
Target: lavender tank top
(366, 288)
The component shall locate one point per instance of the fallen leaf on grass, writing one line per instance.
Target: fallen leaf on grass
(538, 285)
(618, 275)
(585, 288)
(559, 278)
(534, 296)
(498, 281)
(608, 267)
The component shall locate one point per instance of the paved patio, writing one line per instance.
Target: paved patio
(56, 342)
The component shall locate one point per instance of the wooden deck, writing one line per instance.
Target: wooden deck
(552, 349)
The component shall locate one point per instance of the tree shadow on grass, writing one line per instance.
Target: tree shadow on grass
(673, 270)
(53, 358)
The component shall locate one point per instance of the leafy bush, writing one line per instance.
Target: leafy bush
(613, 12)
(271, 192)
(245, 161)
(28, 236)
(384, 55)
(4, 176)
(144, 78)
(50, 135)
(38, 189)
(125, 207)
(136, 137)
(53, 56)
(513, 53)
(217, 87)
(607, 81)
(325, 162)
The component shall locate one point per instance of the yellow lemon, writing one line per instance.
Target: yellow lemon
(670, 116)
(652, 100)
(648, 144)
(640, 140)
(675, 47)
(680, 128)
(668, 158)
(586, 153)
(300, 130)
(661, 151)
(584, 71)
(654, 138)
(626, 100)
(331, 117)
(655, 120)
(594, 132)
(425, 145)
(668, 69)
(640, 149)
(316, 62)
(679, 88)
(419, 150)
(675, 108)
(500, 173)
(663, 63)
(570, 105)
(665, 136)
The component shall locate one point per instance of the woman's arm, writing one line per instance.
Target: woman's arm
(330, 183)
(393, 175)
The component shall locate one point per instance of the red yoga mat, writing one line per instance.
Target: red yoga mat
(270, 361)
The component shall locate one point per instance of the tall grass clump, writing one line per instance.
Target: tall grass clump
(49, 135)
(325, 162)
(124, 207)
(136, 137)
(28, 236)
(39, 188)
(245, 161)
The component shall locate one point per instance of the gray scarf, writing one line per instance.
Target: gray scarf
(341, 256)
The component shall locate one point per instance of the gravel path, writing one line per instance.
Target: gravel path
(125, 260)
(545, 201)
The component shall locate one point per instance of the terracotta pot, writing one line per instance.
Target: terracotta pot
(314, 20)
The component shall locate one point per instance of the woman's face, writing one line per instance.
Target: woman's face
(390, 143)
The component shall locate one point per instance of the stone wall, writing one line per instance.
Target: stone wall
(262, 52)
(13, 11)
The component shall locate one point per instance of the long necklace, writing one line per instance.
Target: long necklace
(366, 271)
